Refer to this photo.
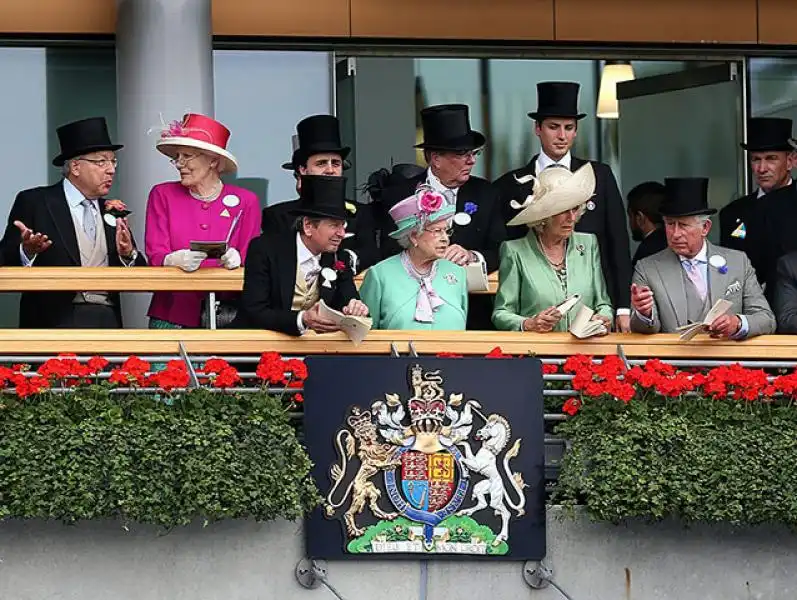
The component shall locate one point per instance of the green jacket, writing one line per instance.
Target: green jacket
(527, 284)
(391, 294)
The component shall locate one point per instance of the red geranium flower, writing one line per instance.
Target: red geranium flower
(339, 266)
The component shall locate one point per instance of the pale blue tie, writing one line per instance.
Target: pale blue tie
(89, 226)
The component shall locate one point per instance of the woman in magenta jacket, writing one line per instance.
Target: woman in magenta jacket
(197, 208)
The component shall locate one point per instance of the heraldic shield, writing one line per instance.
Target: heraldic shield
(426, 457)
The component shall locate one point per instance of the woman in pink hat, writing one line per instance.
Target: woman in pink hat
(197, 208)
(418, 288)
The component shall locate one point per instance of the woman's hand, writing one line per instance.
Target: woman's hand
(607, 322)
(187, 260)
(544, 321)
(231, 259)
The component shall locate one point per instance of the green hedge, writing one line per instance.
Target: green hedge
(696, 459)
(87, 454)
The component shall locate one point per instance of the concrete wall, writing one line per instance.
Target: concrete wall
(247, 561)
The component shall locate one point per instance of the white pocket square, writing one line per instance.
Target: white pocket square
(733, 288)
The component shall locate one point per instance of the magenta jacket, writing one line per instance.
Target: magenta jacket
(174, 218)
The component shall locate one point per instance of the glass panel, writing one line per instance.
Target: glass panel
(260, 96)
(773, 87)
(683, 142)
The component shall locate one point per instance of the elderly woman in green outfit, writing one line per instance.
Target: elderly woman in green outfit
(553, 262)
(418, 288)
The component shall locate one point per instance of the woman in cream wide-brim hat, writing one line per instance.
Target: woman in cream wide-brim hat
(553, 262)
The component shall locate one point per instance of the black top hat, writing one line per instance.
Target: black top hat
(557, 99)
(768, 133)
(322, 196)
(685, 197)
(447, 127)
(316, 134)
(82, 137)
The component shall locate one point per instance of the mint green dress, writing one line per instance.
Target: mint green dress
(528, 284)
(391, 293)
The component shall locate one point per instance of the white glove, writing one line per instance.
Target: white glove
(231, 259)
(187, 260)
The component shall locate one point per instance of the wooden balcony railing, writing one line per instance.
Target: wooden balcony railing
(132, 279)
(477, 343)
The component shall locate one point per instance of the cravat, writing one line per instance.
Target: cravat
(696, 276)
(312, 269)
(449, 196)
(89, 226)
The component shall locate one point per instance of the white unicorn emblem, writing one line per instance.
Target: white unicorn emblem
(494, 437)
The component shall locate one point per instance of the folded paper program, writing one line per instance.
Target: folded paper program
(720, 308)
(583, 326)
(355, 328)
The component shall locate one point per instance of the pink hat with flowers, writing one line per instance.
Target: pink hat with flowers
(424, 206)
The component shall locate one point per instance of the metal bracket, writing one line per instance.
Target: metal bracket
(193, 380)
(309, 573)
(537, 575)
(394, 351)
(413, 352)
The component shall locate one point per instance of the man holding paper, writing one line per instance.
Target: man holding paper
(290, 279)
(692, 278)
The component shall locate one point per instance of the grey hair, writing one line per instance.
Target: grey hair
(539, 226)
(66, 168)
(404, 240)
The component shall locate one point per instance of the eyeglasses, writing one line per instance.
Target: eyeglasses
(181, 159)
(444, 232)
(102, 163)
(468, 153)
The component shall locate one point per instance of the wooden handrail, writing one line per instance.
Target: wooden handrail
(132, 279)
(227, 342)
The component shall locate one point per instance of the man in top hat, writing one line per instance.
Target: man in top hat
(318, 151)
(556, 124)
(74, 225)
(288, 273)
(771, 161)
(680, 284)
(450, 148)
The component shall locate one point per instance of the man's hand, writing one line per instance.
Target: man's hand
(32, 243)
(544, 321)
(124, 239)
(642, 300)
(458, 255)
(725, 326)
(312, 319)
(623, 323)
(355, 308)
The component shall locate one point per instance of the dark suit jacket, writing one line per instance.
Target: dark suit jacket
(607, 221)
(656, 241)
(740, 211)
(772, 234)
(270, 279)
(485, 233)
(45, 210)
(278, 219)
(785, 304)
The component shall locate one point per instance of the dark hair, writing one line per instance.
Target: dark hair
(298, 224)
(646, 198)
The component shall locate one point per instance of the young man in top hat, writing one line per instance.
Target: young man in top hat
(318, 151)
(75, 226)
(771, 161)
(287, 274)
(680, 284)
(450, 147)
(556, 124)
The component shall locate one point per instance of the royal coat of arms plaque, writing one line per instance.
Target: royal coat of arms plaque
(426, 457)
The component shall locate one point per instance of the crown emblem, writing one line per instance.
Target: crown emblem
(427, 406)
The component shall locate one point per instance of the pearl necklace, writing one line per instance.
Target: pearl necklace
(211, 196)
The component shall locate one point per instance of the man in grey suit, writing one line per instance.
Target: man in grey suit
(680, 284)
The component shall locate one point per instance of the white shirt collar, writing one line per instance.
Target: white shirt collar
(763, 193)
(544, 161)
(701, 256)
(303, 253)
(73, 195)
(437, 185)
